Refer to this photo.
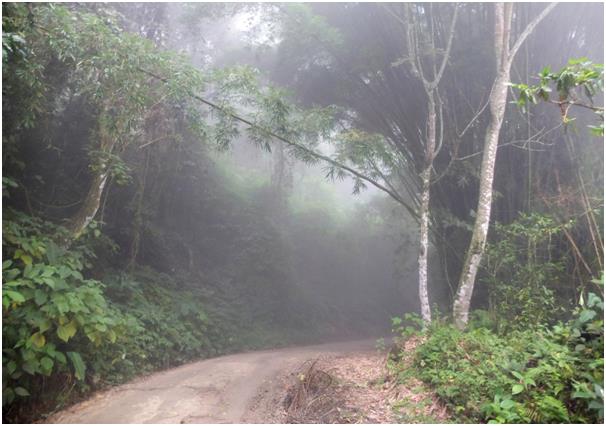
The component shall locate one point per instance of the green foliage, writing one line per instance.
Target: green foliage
(370, 153)
(550, 375)
(60, 326)
(577, 84)
(522, 272)
(21, 74)
(50, 311)
(166, 326)
(71, 55)
(409, 325)
(303, 28)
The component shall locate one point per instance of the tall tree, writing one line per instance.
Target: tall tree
(86, 58)
(432, 144)
(504, 55)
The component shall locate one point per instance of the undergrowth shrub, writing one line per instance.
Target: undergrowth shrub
(168, 325)
(522, 272)
(545, 375)
(52, 315)
(65, 334)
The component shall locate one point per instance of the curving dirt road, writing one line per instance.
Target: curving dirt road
(217, 390)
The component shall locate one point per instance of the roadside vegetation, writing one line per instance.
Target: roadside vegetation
(187, 257)
(526, 358)
(529, 372)
(187, 180)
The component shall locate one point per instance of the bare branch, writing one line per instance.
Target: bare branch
(529, 29)
(438, 77)
(441, 120)
(498, 33)
(536, 138)
(475, 117)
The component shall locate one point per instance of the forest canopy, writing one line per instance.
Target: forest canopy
(183, 180)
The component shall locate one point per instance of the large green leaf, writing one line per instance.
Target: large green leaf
(586, 315)
(78, 363)
(40, 297)
(67, 331)
(516, 389)
(11, 367)
(60, 357)
(43, 324)
(30, 367)
(38, 339)
(507, 404)
(15, 296)
(47, 364)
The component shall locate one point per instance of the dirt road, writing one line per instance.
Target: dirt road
(218, 390)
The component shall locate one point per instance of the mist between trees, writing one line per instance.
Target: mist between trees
(182, 180)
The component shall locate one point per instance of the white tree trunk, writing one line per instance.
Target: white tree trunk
(424, 246)
(498, 102)
(431, 89)
(430, 147)
(480, 230)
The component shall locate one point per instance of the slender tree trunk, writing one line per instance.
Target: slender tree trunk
(138, 216)
(90, 206)
(431, 89)
(480, 229)
(430, 146)
(498, 102)
(424, 246)
(83, 217)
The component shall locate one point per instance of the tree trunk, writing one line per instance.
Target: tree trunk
(430, 146)
(83, 217)
(431, 89)
(480, 230)
(90, 206)
(138, 216)
(423, 247)
(498, 101)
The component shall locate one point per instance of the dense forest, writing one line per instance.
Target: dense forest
(185, 180)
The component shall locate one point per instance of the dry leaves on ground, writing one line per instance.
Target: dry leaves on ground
(358, 388)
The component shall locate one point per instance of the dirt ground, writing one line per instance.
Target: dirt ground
(218, 390)
(346, 388)
(345, 382)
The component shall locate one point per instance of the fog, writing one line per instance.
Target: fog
(351, 256)
(186, 180)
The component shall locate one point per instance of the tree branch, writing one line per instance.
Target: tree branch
(438, 77)
(529, 29)
(572, 103)
(296, 145)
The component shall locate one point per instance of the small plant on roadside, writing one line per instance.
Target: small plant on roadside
(410, 324)
(380, 345)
